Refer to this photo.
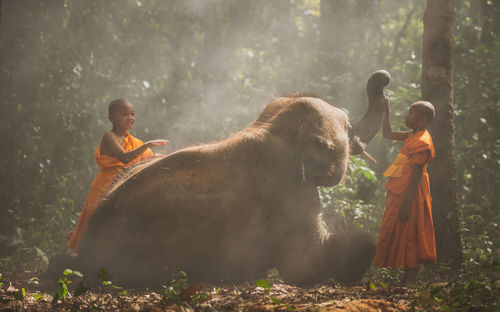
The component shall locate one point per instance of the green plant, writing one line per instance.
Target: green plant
(474, 295)
(382, 277)
(357, 202)
(37, 296)
(178, 291)
(106, 281)
(19, 295)
(198, 298)
(478, 290)
(62, 288)
(172, 291)
(267, 287)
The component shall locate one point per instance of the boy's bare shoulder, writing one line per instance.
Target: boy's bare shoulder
(108, 140)
(108, 137)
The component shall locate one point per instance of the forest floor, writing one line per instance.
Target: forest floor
(23, 289)
(279, 297)
(27, 293)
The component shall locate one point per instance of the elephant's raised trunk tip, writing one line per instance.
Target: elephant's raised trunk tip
(376, 83)
(368, 126)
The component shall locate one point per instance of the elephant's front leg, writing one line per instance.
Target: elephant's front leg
(302, 259)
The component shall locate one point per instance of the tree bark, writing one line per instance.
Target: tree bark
(437, 88)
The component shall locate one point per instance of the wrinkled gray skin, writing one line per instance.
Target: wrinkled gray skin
(231, 210)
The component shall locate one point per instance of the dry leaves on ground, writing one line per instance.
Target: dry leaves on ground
(246, 297)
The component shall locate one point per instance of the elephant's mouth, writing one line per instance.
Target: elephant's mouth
(326, 180)
(329, 179)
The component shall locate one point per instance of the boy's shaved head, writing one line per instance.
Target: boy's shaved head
(115, 105)
(424, 108)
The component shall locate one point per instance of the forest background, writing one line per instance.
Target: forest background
(197, 70)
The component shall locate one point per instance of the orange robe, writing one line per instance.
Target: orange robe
(410, 243)
(110, 168)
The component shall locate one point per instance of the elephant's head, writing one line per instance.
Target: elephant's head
(322, 144)
(321, 134)
(318, 133)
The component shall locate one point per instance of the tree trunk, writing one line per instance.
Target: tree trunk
(437, 88)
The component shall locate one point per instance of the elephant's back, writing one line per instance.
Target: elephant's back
(201, 183)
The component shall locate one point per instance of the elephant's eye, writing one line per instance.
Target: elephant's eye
(322, 144)
(318, 143)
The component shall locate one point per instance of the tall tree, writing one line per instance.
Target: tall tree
(437, 88)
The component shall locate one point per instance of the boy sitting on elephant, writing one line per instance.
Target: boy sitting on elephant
(116, 151)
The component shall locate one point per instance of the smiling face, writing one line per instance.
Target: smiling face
(122, 115)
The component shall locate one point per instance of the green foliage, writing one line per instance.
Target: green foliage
(356, 201)
(264, 283)
(473, 295)
(62, 292)
(38, 296)
(106, 281)
(104, 276)
(19, 295)
(171, 293)
(81, 289)
(383, 277)
(199, 298)
(178, 291)
(477, 50)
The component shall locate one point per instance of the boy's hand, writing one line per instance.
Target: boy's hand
(404, 210)
(387, 109)
(156, 143)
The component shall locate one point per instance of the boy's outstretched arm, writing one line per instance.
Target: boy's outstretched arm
(404, 210)
(113, 148)
(387, 129)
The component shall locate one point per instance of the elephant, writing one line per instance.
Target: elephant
(230, 210)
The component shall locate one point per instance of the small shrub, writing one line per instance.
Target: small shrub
(172, 291)
(106, 281)
(62, 287)
(178, 291)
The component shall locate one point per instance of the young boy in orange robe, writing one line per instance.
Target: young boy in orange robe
(406, 236)
(116, 151)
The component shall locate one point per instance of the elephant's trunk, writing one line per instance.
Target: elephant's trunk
(364, 130)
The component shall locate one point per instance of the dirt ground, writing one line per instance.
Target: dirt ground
(246, 297)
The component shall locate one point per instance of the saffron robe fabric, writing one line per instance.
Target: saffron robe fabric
(406, 244)
(110, 168)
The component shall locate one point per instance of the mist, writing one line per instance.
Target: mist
(195, 71)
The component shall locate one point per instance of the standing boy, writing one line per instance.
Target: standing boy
(116, 151)
(406, 237)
